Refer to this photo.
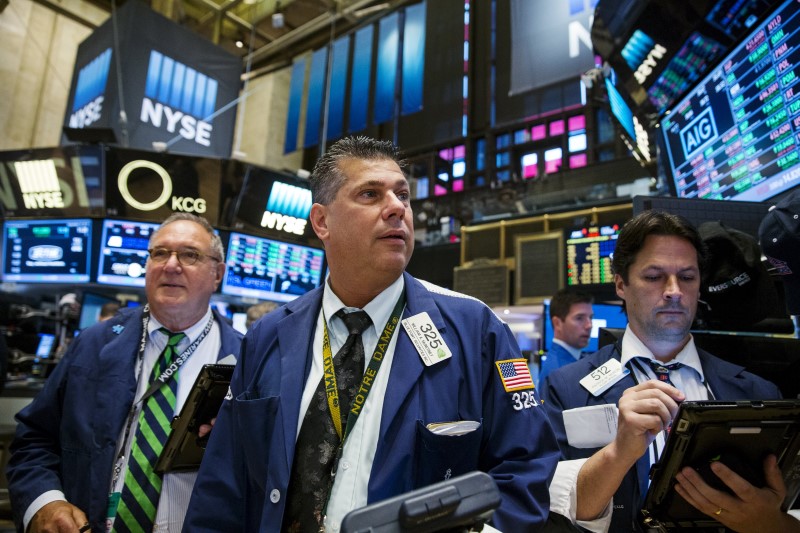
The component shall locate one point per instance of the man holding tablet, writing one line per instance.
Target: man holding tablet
(654, 367)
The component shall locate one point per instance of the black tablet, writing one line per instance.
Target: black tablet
(740, 435)
(183, 450)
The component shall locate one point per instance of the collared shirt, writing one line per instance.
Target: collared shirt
(177, 487)
(352, 477)
(574, 352)
(689, 379)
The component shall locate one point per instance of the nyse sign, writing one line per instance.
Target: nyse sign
(177, 203)
(40, 186)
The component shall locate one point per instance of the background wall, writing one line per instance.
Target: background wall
(36, 62)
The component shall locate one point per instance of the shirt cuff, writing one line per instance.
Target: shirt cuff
(564, 497)
(47, 497)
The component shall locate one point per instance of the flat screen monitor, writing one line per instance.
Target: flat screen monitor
(239, 322)
(589, 252)
(47, 251)
(735, 135)
(605, 316)
(91, 305)
(46, 344)
(123, 252)
(266, 269)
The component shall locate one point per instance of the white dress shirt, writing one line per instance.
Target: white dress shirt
(349, 489)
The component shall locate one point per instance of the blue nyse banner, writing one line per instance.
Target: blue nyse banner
(341, 47)
(360, 78)
(295, 98)
(316, 87)
(169, 86)
(92, 81)
(413, 58)
(386, 73)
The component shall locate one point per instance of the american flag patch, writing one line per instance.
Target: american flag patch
(514, 374)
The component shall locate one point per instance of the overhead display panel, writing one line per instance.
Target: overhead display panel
(735, 136)
(661, 48)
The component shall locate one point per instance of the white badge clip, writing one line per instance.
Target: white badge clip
(426, 338)
(603, 377)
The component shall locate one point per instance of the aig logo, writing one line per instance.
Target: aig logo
(178, 203)
(698, 133)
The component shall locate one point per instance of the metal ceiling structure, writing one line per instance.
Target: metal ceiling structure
(267, 34)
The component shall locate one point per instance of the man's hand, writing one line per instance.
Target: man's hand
(58, 517)
(205, 429)
(644, 411)
(749, 508)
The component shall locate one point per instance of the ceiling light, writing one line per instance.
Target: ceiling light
(239, 43)
(277, 20)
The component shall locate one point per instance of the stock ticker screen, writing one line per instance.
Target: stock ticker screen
(47, 251)
(589, 252)
(270, 270)
(735, 136)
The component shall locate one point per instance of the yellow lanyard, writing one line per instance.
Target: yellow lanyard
(332, 392)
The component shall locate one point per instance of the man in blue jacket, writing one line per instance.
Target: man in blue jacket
(657, 267)
(571, 317)
(452, 393)
(69, 467)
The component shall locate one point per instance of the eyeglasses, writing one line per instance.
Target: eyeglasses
(185, 257)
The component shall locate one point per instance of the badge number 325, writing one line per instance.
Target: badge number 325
(523, 400)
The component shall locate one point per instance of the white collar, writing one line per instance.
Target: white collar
(379, 308)
(192, 332)
(633, 347)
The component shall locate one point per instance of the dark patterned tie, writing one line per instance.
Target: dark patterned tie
(318, 443)
(662, 371)
(139, 498)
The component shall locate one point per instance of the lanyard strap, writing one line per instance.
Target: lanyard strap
(331, 390)
(172, 370)
(166, 375)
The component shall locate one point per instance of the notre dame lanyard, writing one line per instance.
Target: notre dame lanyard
(332, 391)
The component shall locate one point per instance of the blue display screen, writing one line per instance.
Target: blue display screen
(735, 135)
(270, 270)
(47, 251)
(123, 252)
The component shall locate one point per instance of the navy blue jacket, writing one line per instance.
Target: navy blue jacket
(245, 474)
(561, 391)
(556, 357)
(66, 438)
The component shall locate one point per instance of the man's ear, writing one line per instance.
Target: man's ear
(219, 274)
(619, 285)
(319, 220)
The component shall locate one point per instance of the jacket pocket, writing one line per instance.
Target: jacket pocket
(256, 419)
(441, 457)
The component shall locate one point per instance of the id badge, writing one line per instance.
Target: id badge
(111, 512)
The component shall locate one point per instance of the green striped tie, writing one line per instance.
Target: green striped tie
(139, 499)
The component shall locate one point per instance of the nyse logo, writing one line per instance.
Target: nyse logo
(87, 107)
(288, 208)
(179, 99)
(40, 185)
(178, 203)
(698, 133)
(642, 54)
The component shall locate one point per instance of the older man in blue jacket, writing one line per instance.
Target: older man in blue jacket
(447, 365)
(69, 467)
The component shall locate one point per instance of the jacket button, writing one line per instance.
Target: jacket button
(275, 496)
